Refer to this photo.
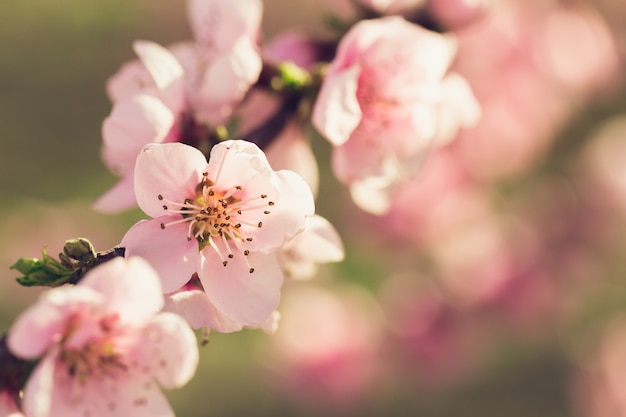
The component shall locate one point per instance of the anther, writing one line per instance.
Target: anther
(164, 207)
(251, 270)
(249, 239)
(238, 225)
(231, 256)
(271, 203)
(160, 197)
(211, 193)
(162, 226)
(239, 187)
(225, 263)
(260, 224)
(238, 211)
(263, 195)
(205, 174)
(266, 212)
(246, 252)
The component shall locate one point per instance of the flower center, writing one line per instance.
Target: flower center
(219, 216)
(97, 358)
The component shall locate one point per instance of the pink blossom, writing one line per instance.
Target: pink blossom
(385, 100)
(328, 345)
(181, 92)
(528, 55)
(224, 220)
(148, 104)
(104, 349)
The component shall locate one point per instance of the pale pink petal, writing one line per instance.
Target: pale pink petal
(133, 123)
(337, 111)
(458, 108)
(120, 197)
(168, 250)
(246, 297)
(293, 203)
(194, 306)
(37, 400)
(131, 287)
(40, 326)
(130, 395)
(166, 72)
(235, 162)
(372, 194)
(319, 241)
(291, 150)
(225, 82)
(173, 348)
(217, 24)
(170, 170)
(131, 79)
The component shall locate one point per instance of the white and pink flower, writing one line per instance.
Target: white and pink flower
(224, 221)
(103, 347)
(386, 99)
(181, 92)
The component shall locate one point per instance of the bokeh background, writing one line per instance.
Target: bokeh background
(55, 57)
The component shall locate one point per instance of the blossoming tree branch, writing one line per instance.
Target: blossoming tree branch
(211, 138)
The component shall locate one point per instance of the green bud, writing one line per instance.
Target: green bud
(291, 76)
(80, 249)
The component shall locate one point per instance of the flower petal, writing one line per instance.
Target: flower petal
(39, 327)
(196, 308)
(120, 197)
(170, 170)
(337, 111)
(131, 287)
(133, 123)
(166, 72)
(173, 348)
(246, 297)
(171, 254)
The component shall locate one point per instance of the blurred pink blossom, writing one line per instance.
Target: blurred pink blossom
(326, 349)
(179, 93)
(551, 54)
(385, 100)
(224, 220)
(102, 346)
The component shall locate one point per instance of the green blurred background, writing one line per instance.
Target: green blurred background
(55, 56)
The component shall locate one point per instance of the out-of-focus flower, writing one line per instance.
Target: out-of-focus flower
(525, 60)
(148, 98)
(103, 347)
(224, 220)
(327, 346)
(385, 101)
(180, 93)
(430, 340)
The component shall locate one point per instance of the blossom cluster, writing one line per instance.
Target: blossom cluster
(429, 109)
